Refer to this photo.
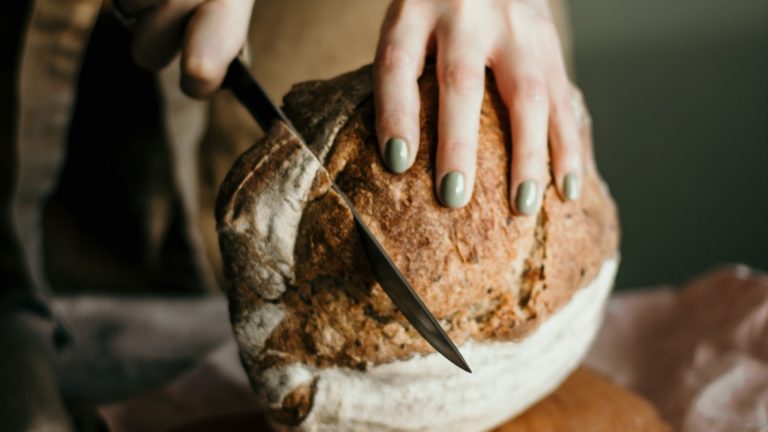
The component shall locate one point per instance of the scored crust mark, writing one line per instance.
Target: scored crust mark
(534, 277)
(259, 209)
(319, 109)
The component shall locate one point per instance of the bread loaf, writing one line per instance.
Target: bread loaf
(324, 346)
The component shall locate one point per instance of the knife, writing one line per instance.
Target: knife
(253, 97)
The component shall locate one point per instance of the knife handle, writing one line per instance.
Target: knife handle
(253, 97)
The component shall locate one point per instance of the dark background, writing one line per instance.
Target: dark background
(678, 91)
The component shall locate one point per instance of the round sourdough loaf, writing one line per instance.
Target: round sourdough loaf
(325, 348)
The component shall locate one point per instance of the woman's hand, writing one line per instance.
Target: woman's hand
(208, 33)
(518, 41)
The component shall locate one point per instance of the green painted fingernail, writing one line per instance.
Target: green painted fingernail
(571, 186)
(452, 189)
(527, 199)
(396, 155)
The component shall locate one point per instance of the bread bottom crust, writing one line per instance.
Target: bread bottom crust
(428, 393)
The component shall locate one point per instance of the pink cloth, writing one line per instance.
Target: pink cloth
(699, 354)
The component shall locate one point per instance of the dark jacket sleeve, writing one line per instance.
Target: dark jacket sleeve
(29, 396)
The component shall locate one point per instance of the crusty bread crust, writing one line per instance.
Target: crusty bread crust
(485, 273)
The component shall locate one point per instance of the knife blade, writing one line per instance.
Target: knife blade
(253, 97)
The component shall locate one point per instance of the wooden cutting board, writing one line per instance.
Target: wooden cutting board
(586, 401)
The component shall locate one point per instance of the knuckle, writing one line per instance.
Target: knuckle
(531, 90)
(576, 101)
(462, 77)
(454, 147)
(393, 57)
(562, 106)
(530, 157)
(200, 69)
(566, 146)
(572, 152)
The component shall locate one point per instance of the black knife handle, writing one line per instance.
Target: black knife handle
(253, 97)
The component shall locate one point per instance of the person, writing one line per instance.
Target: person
(70, 87)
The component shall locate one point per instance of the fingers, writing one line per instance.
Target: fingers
(565, 145)
(564, 137)
(584, 125)
(399, 62)
(209, 32)
(520, 43)
(215, 34)
(533, 82)
(522, 87)
(461, 76)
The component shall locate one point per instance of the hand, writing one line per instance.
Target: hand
(518, 40)
(208, 33)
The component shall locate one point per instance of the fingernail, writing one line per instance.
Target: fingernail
(527, 199)
(571, 186)
(452, 189)
(396, 155)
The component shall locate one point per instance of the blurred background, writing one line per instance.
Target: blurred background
(679, 97)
